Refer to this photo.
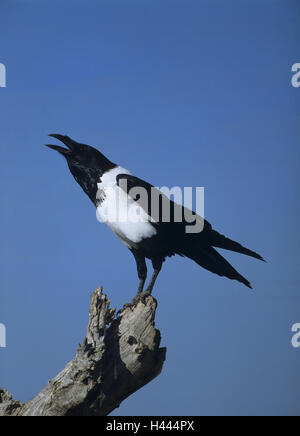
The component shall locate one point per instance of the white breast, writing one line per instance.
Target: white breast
(120, 212)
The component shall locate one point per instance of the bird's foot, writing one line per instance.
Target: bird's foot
(140, 297)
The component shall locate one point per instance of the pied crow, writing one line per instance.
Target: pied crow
(152, 236)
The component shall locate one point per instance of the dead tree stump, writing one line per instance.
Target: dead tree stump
(119, 355)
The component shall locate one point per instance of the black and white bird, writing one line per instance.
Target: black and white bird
(151, 237)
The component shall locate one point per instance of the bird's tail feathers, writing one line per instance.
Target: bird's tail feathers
(210, 259)
(220, 241)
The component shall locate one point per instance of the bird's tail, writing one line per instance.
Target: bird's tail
(220, 241)
(210, 259)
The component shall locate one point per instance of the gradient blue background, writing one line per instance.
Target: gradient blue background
(185, 93)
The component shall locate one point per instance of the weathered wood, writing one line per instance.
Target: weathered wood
(118, 356)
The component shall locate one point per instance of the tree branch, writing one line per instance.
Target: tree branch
(119, 355)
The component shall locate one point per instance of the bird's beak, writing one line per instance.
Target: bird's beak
(65, 140)
(65, 152)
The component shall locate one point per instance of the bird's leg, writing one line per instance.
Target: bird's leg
(142, 274)
(141, 269)
(141, 285)
(157, 264)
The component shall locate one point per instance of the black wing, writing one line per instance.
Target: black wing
(198, 246)
(157, 205)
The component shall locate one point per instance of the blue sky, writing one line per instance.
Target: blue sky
(182, 93)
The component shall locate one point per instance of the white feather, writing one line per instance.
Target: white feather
(120, 212)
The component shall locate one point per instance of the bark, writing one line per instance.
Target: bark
(119, 355)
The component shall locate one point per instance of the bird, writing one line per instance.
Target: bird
(151, 236)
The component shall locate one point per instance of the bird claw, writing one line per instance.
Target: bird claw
(140, 297)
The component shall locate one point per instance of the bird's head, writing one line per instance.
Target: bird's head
(86, 163)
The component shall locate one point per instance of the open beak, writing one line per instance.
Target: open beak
(65, 140)
(61, 150)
